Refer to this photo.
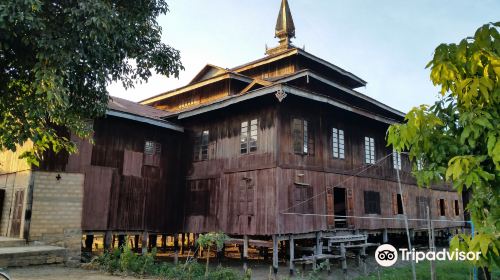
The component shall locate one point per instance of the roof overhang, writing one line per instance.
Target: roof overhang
(215, 79)
(310, 74)
(158, 123)
(288, 90)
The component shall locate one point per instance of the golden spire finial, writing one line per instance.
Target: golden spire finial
(285, 29)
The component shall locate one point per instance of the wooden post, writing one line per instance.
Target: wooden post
(183, 240)
(153, 241)
(164, 242)
(176, 248)
(431, 243)
(136, 242)
(121, 241)
(319, 244)
(343, 258)
(144, 243)
(89, 240)
(385, 236)
(108, 238)
(245, 252)
(275, 255)
(292, 255)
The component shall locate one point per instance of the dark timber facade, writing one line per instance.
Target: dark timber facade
(280, 148)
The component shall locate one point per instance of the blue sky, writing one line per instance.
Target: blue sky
(387, 42)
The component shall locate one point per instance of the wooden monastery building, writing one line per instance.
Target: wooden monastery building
(280, 148)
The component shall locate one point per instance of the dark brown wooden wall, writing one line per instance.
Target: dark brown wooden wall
(124, 189)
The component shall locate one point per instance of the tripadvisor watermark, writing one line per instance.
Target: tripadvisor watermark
(387, 255)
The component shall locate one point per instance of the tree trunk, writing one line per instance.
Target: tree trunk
(208, 258)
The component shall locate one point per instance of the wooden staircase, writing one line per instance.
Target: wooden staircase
(15, 252)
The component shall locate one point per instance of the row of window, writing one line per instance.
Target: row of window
(372, 204)
(302, 139)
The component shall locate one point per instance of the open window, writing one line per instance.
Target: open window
(303, 137)
(457, 208)
(442, 207)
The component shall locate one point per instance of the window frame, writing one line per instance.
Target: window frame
(304, 139)
(251, 130)
(152, 148)
(201, 145)
(369, 150)
(338, 143)
(376, 210)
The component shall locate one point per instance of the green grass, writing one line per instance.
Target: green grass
(452, 270)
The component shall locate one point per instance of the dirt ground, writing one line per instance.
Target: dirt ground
(260, 270)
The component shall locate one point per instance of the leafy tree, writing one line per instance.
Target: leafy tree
(57, 57)
(458, 138)
(206, 241)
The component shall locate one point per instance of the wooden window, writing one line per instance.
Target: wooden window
(338, 150)
(248, 137)
(152, 148)
(303, 202)
(369, 150)
(246, 194)
(457, 208)
(372, 202)
(303, 137)
(132, 163)
(201, 145)
(399, 204)
(396, 160)
(442, 207)
(198, 199)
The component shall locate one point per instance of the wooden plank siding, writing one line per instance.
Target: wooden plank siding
(277, 176)
(125, 189)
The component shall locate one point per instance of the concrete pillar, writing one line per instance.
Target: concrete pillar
(275, 255)
(343, 258)
(292, 255)
(245, 252)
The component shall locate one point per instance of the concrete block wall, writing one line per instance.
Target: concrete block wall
(57, 211)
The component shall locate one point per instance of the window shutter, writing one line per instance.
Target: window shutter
(394, 203)
(309, 202)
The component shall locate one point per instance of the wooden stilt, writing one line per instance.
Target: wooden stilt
(176, 248)
(292, 256)
(144, 243)
(319, 244)
(245, 252)
(385, 236)
(121, 240)
(108, 238)
(136, 243)
(275, 255)
(164, 242)
(153, 241)
(183, 242)
(89, 240)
